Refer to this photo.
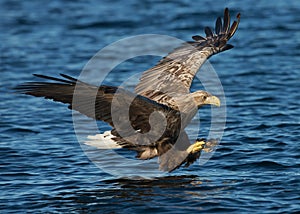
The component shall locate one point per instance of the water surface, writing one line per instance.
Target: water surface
(256, 166)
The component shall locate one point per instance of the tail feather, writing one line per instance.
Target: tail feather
(102, 141)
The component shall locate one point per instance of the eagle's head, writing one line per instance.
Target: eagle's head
(204, 98)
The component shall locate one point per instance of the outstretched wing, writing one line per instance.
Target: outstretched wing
(174, 74)
(128, 113)
(63, 89)
(96, 102)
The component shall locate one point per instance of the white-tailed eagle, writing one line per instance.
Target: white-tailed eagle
(163, 89)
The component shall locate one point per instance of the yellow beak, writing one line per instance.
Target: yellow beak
(213, 100)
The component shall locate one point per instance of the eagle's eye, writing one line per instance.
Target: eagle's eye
(204, 97)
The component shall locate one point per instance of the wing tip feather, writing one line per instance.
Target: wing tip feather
(223, 29)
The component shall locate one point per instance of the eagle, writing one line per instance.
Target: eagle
(152, 119)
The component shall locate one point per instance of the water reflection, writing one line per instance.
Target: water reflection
(189, 191)
(162, 182)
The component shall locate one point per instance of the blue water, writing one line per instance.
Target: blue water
(256, 167)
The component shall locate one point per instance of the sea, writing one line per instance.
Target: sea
(45, 168)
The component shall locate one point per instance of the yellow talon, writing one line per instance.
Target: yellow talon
(201, 142)
(196, 147)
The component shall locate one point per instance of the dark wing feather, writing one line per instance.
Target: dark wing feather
(218, 27)
(226, 25)
(208, 32)
(234, 27)
(63, 90)
(174, 74)
(198, 38)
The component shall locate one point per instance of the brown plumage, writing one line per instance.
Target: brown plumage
(136, 128)
(150, 121)
(173, 75)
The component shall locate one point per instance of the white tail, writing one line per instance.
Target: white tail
(102, 141)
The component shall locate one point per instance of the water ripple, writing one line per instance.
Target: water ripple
(254, 169)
